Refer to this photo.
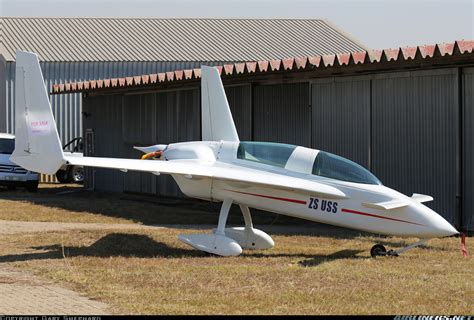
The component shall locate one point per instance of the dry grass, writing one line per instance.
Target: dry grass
(311, 270)
(153, 273)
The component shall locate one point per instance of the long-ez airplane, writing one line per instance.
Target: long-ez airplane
(281, 178)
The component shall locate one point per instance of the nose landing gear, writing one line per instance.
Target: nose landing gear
(379, 250)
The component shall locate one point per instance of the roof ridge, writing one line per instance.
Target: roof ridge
(163, 18)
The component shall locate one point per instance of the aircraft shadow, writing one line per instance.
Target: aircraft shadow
(142, 246)
(111, 245)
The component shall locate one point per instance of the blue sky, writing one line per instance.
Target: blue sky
(378, 24)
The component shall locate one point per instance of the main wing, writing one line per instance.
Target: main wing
(244, 177)
(231, 174)
(181, 167)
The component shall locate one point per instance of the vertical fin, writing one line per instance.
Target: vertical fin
(37, 144)
(217, 121)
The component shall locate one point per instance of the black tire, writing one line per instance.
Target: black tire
(32, 187)
(11, 188)
(62, 176)
(76, 174)
(378, 250)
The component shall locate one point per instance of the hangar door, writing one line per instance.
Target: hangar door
(102, 121)
(415, 135)
(158, 118)
(341, 117)
(281, 113)
(240, 103)
(468, 139)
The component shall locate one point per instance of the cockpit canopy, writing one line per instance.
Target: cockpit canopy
(332, 166)
(325, 164)
(270, 153)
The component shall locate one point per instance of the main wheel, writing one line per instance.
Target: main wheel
(62, 176)
(77, 174)
(378, 250)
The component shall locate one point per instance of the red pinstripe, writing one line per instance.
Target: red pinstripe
(270, 197)
(343, 210)
(377, 216)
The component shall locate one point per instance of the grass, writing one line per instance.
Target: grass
(153, 273)
(311, 270)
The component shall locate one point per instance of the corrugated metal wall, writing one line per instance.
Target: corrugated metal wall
(341, 117)
(415, 135)
(281, 113)
(240, 102)
(179, 120)
(104, 115)
(123, 121)
(468, 143)
(402, 126)
(67, 107)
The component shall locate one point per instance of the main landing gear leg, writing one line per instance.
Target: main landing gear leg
(217, 243)
(248, 237)
(379, 250)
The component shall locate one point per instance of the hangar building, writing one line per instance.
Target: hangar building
(406, 114)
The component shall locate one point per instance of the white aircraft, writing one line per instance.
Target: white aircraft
(281, 178)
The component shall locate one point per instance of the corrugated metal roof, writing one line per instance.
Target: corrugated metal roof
(139, 39)
(282, 65)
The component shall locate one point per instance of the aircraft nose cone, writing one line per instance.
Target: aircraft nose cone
(445, 229)
(439, 227)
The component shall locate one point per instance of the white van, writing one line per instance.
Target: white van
(11, 175)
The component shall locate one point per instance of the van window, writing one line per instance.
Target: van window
(7, 146)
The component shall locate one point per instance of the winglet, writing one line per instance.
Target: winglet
(421, 197)
(217, 121)
(37, 144)
(397, 203)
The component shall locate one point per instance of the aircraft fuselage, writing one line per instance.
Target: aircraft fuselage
(350, 210)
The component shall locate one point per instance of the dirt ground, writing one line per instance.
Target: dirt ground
(24, 293)
(122, 251)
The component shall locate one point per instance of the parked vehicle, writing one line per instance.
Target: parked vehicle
(12, 175)
(69, 173)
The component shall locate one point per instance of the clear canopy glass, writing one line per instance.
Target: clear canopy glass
(274, 154)
(332, 166)
(325, 165)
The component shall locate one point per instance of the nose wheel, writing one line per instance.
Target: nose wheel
(378, 250)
